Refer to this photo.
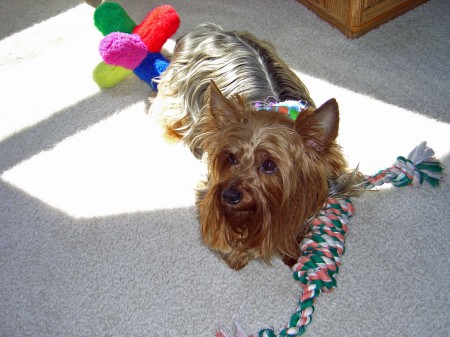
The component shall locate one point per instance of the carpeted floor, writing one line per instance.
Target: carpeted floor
(98, 233)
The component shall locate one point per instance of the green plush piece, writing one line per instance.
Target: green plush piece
(111, 17)
(107, 76)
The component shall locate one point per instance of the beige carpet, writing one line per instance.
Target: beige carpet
(98, 234)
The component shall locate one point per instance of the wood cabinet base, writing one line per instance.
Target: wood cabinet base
(356, 17)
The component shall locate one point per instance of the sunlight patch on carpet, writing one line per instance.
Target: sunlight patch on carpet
(123, 165)
(46, 68)
(119, 165)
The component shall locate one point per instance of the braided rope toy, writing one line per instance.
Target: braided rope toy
(318, 266)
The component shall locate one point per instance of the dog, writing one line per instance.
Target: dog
(268, 174)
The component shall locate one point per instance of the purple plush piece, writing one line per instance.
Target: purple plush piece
(121, 49)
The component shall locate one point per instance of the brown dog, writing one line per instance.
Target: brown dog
(267, 173)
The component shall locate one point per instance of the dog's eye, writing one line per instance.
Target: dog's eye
(232, 159)
(268, 166)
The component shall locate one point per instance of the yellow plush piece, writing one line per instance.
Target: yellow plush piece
(107, 76)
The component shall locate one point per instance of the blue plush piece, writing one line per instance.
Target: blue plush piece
(152, 66)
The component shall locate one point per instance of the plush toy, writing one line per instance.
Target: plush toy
(128, 48)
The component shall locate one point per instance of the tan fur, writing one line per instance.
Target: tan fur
(271, 218)
(267, 175)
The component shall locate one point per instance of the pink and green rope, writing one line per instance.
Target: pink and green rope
(419, 167)
(322, 250)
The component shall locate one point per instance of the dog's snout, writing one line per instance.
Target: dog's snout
(232, 196)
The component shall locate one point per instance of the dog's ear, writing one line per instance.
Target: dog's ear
(319, 128)
(218, 104)
(220, 108)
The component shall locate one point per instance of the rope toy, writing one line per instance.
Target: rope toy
(322, 250)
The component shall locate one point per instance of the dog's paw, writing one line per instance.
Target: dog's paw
(236, 260)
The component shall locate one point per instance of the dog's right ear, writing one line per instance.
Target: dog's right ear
(218, 104)
(221, 109)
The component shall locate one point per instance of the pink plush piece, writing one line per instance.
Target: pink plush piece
(122, 49)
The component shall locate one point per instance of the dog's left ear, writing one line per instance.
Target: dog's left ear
(319, 128)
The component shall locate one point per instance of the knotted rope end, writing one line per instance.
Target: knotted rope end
(419, 166)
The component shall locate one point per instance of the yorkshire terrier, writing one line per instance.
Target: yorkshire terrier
(268, 174)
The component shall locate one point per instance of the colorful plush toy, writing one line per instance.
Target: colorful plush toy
(128, 48)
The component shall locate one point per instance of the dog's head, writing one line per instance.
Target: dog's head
(267, 175)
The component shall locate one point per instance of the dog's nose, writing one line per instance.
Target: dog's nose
(232, 196)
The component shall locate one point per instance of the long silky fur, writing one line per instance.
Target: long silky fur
(238, 62)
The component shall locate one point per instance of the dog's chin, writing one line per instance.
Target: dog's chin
(239, 219)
